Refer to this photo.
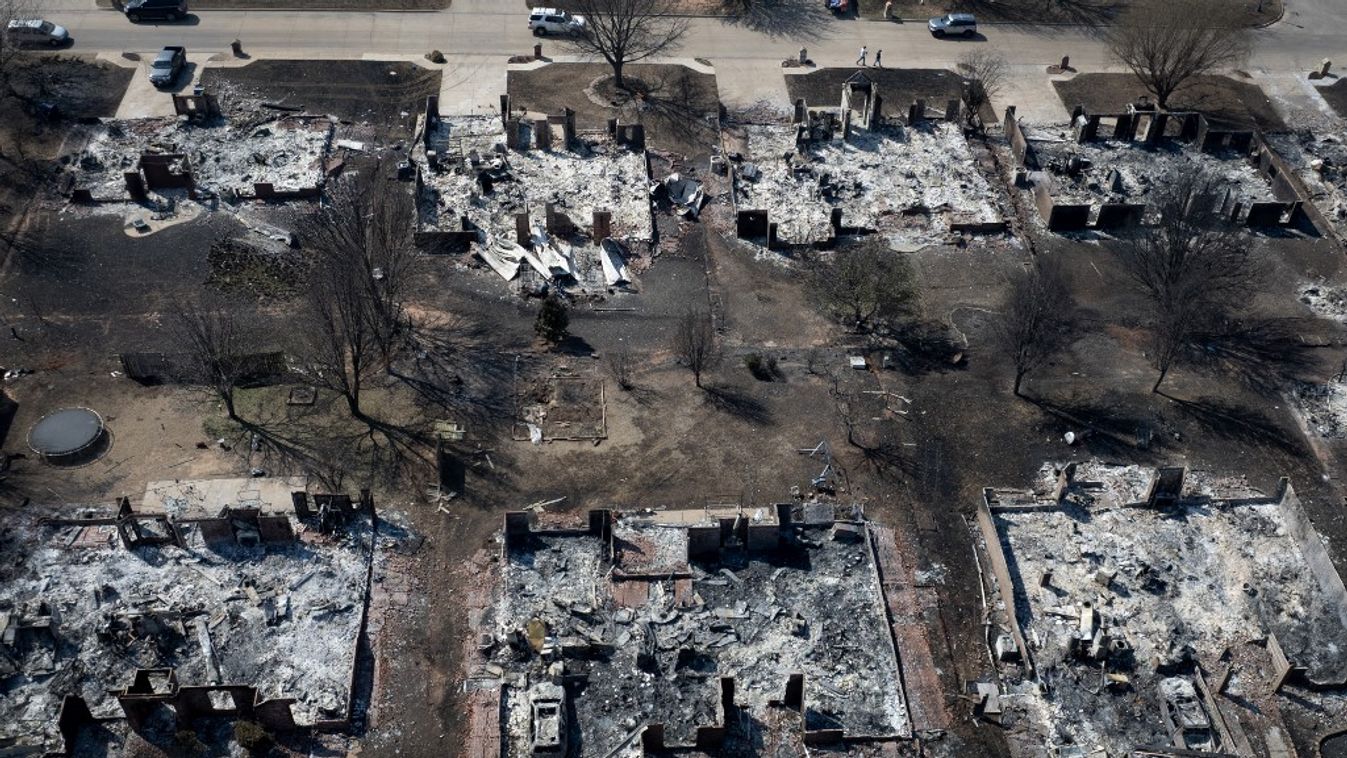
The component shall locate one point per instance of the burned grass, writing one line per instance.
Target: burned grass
(1226, 101)
(678, 106)
(383, 96)
(899, 87)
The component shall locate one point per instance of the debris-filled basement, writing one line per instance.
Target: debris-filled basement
(1158, 609)
(143, 617)
(654, 630)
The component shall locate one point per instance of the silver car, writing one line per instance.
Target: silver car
(35, 31)
(953, 24)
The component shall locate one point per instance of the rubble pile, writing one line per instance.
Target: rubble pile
(652, 632)
(1321, 164)
(281, 617)
(884, 180)
(1110, 171)
(1326, 301)
(592, 175)
(1323, 406)
(1121, 602)
(224, 157)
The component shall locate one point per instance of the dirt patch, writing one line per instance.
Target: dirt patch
(1226, 101)
(1335, 95)
(1082, 12)
(898, 87)
(379, 95)
(678, 109)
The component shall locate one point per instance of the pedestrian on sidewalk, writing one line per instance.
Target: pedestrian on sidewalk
(864, 51)
(878, 53)
(888, 10)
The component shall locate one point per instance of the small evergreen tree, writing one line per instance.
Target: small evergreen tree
(553, 320)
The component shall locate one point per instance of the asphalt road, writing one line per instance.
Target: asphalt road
(1310, 31)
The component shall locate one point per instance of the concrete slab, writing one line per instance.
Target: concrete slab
(472, 84)
(744, 83)
(144, 100)
(1030, 90)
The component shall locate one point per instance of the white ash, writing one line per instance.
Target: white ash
(886, 180)
(1180, 584)
(224, 156)
(599, 175)
(1128, 172)
(307, 655)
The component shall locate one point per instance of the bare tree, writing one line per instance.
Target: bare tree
(1036, 319)
(694, 343)
(1191, 265)
(215, 349)
(985, 73)
(621, 364)
(365, 263)
(1166, 44)
(341, 350)
(627, 31)
(868, 288)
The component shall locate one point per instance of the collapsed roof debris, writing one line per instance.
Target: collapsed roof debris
(593, 174)
(239, 608)
(1156, 609)
(886, 179)
(223, 158)
(1323, 406)
(654, 623)
(1109, 171)
(1320, 162)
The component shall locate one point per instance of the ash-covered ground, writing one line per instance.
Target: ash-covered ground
(281, 617)
(1179, 587)
(1127, 172)
(653, 651)
(594, 174)
(892, 178)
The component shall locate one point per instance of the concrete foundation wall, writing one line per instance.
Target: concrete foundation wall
(1005, 586)
(1299, 527)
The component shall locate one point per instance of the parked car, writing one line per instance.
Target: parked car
(35, 31)
(167, 65)
(544, 21)
(155, 10)
(953, 24)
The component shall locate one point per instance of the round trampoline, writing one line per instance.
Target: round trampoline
(66, 433)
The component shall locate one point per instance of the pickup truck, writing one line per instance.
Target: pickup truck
(167, 65)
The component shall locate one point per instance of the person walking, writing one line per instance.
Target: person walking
(860, 61)
(878, 53)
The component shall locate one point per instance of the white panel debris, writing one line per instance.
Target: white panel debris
(578, 180)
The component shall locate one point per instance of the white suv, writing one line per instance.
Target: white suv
(544, 21)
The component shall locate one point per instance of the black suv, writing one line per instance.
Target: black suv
(156, 10)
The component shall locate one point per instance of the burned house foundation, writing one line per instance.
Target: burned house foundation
(536, 199)
(648, 631)
(143, 617)
(1158, 611)
(852, 170)
(1105, 172)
